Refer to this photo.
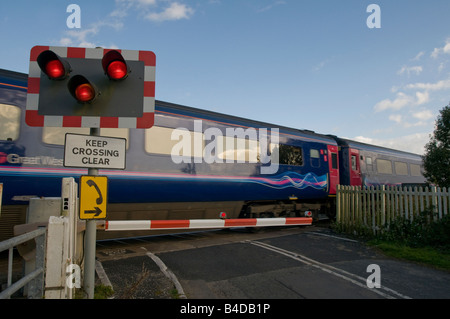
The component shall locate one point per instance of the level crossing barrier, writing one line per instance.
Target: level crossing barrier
(116, 225)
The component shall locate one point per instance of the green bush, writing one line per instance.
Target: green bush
(423, 231)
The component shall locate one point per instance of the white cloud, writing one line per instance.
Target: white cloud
(396, 118)
(401, 101)
(444, 50)
(422, 95)
(418, 56)
(423, 115)
(270, 6)
(175, 11)
(115, 19)
(321, 65)
(422, 98)
(440, 85)
(411, 69)
(78, 37)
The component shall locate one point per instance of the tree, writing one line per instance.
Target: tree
(436, 160)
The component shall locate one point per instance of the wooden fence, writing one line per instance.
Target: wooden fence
(375, 207)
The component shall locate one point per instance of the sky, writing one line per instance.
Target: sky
(337, 67)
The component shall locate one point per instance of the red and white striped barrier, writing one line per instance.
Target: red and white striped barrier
(118, 225)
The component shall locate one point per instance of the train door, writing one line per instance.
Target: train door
(355, 168)
(333, 163)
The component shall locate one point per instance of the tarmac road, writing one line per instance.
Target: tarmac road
(283, 263)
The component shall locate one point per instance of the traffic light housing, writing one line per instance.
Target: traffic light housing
(53, 66)
(84, 87)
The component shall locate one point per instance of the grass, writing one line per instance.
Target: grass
(100, 292)
(430, 256)
(424, 240)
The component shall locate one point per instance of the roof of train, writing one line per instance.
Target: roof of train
(376, 148)
(240, 121)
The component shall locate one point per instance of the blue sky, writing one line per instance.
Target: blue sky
(310, 64)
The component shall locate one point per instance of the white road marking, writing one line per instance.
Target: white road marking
(326, 235)
(355, 279)
(169, 274)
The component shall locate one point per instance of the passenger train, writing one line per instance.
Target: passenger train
(194, 164)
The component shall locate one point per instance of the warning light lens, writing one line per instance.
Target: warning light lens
(117, 70)
(53, 65)
(85, 92)
(55, 69)
(81, 89)
(115, 66)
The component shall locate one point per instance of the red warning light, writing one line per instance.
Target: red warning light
(81, 89)
(55, 69)
(85, 92)
(114, 65)
(117, 70)
(53, 66)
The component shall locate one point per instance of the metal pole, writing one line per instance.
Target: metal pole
(90, 241)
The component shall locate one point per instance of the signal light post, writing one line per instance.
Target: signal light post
(94, 88)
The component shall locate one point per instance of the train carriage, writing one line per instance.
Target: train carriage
(192, 164)
(370, 165)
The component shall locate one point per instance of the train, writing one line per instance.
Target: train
(194, 164)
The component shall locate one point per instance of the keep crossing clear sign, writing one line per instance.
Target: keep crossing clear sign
(94, 151)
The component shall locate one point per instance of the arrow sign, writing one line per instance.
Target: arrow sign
(97, 211)
(93, 197)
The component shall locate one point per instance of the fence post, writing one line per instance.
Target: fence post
(383, 205)
(338, 204)
(434, 202)
(446, 198)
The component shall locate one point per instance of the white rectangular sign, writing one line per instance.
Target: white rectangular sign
(94, 151)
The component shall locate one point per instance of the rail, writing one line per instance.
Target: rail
(35, 278)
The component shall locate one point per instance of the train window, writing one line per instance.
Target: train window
(415, 170)
(314, 153)
(168, 141)
(354, 165)
(401, 168)
(369, 165)
(237, 149)
(315, 157)
(9, 122)
(334, 161)
(290, 155)
(57, 135)
(384, 166)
